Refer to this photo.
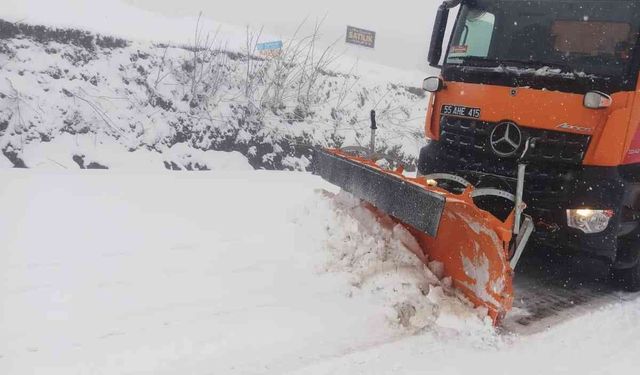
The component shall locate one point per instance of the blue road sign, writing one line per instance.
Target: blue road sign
(270, 46)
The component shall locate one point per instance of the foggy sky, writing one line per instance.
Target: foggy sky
(403, 27)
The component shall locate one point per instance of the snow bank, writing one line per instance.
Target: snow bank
(86, 152)
(5, 163)
(377, 259)
(188, 158)
(142, 97)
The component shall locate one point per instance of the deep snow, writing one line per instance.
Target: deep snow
(63, 95)
(229, 271)
(177, 273)
(248, 273)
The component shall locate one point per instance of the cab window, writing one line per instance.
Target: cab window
(473, 37)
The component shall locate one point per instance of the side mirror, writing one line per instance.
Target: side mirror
(433, 84)
(437, 37)
(597, 100)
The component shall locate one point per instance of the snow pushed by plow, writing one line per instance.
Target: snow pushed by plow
(376, 256)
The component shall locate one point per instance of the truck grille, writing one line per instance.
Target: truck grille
(555, 161)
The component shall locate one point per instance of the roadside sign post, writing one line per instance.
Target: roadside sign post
(270, 49)
(361, 37)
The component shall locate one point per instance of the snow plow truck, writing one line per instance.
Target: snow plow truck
(533, 129)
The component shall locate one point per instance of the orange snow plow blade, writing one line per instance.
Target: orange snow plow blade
(472, 244)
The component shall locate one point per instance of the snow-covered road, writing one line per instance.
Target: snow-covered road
(224, 272)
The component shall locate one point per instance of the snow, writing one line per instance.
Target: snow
(109, 272)
(114, 17)
(63, 151)
(4, 162)
(138, 97)
(604, 342)
(171, 273)
(544, 71)
(212, 160)
(379, 258)
(228, 271)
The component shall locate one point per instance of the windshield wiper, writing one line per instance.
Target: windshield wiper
(538, 64)
(478, 61)
(483, 62)
(486, 62)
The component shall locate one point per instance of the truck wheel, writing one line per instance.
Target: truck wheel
(628, 279)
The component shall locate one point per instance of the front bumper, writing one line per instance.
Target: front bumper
(577, 187)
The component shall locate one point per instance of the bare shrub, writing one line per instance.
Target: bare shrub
(206, 69)
(315, 63)
(92, 103)
(164, 69)
(255, 67)
(17, 105)
(293, 75)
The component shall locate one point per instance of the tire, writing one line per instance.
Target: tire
(627, 279)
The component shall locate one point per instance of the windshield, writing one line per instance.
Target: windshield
(570, 38)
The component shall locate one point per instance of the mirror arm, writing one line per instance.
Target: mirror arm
(439, 31)
(437, 38)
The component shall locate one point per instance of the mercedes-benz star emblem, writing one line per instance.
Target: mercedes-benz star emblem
(505, 139)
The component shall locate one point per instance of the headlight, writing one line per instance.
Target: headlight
(589, 221)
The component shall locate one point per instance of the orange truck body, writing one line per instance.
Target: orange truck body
(614, 131)
(530, 66)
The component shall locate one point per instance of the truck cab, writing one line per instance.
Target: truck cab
(559, 77)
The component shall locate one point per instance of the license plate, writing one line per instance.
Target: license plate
(461, 111)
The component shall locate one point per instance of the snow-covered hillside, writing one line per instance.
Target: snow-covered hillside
(246, 273)
(73, 99)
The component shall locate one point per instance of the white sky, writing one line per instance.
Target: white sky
(403, 26)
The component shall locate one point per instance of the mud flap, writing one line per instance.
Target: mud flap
(472, 244)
